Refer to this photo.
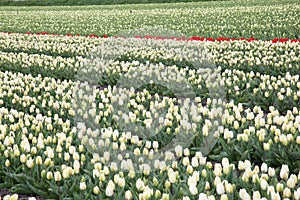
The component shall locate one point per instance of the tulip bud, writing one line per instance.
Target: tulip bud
(96, 190)
(82, 185)
(279, 187)
(224, 197)
(23, 158)
(298, 140)
(157, 194)
(30, 163)
(57, 176)
(167, 184)
(189, 169)
(128, 195)
(7, 163)
(266, 146)
(193, 189)
(284, 172)
(43, 174)
(49, 175)
(287, 192)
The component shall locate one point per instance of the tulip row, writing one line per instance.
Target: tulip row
(29, 94)
(255, 89)
(53, 66)
(49, 45)
(250, 88)
(258, 56)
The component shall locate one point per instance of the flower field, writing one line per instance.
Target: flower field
(61, 108)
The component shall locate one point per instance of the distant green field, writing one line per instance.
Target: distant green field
(85, 2)
(259, 19)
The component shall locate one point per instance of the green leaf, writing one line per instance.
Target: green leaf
(36, 190)
(21, 189)
(5, 185)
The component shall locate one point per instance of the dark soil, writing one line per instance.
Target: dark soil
(4, 192)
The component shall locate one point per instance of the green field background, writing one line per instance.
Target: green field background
(86, 2)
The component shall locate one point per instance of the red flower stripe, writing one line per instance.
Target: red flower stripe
(193, 38)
